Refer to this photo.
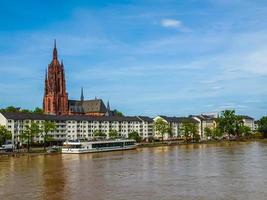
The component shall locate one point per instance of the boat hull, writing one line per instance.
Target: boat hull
(83, 150)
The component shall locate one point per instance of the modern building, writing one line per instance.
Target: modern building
(77, 127)
(56, 100)
(205, 121)
(147, 127)
(249, 122)
(175, 125)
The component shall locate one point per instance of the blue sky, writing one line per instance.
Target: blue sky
(145, 57)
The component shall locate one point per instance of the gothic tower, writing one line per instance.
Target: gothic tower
(55, 96)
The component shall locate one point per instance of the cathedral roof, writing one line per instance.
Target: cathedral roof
(87, 106)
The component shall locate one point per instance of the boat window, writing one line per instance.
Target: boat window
(73, 146)
(129, 143)
(106, 145)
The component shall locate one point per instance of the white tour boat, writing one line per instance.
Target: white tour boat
(97, 146)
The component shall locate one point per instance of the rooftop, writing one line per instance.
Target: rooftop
(179, 119)
(34, 116)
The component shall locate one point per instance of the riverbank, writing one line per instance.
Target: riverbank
(39, 151)
(23, 152)
(179, 142)
(18, 154)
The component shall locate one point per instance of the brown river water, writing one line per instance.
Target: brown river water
(199, 171)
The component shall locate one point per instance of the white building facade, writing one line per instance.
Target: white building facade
(249, 122)
(77, 127)
(205, 121)
(175, 125)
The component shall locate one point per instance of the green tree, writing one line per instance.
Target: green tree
(99, 134)
(113, 134)
(29, 133)
(50, 139)
(239, 126)
(232, 124)
(47, 126)
(134, 136)
(38, 110)
(17, 109)
(227, 122)
(161, 127)
(118, 113)
(246, 131)
(262, 126)
(4, 134)
(208, 132)
(213, 133)
(190, 130)
(11, 109)
(25, 111)
(217, 133)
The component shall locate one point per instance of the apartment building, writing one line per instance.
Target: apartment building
(249, 122)
(75, 127)
(205, 121)
(175, 125)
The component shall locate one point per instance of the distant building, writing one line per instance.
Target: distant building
(175, 125)
(248, 121)
(205, 121)
(56, 100)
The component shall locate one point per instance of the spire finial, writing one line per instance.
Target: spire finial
(82, 97)
(55, 50)
(108, 107)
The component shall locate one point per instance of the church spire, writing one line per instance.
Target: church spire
(82, 97)
(46, 74)
(55, 50)
(108, 107)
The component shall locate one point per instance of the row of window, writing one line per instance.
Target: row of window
(105, 122)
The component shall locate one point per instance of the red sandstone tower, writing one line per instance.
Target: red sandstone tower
(55, 96)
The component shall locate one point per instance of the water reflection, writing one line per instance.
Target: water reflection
(54, 178)
(206, 171)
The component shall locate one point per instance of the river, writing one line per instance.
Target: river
(197, 171)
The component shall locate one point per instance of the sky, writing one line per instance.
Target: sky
(146, 57)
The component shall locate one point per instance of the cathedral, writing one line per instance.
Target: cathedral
(56, 100)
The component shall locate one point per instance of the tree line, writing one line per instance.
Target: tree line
(228, 124)
(18, 109)
(40, 110)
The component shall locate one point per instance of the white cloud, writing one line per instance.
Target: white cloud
(172, 23)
